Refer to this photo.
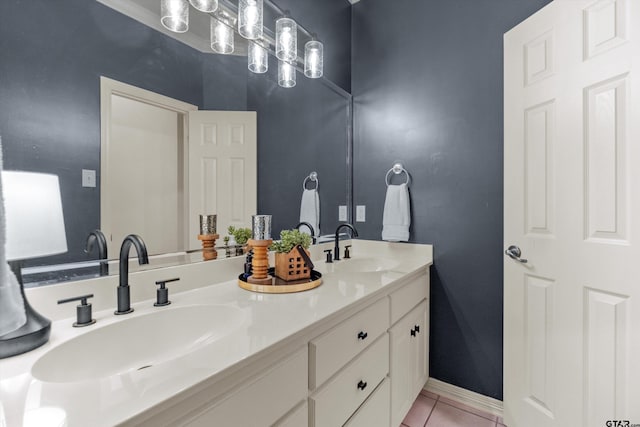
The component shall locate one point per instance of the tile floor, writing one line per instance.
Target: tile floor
(432, 410)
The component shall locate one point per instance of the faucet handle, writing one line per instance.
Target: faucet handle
(83, 310)
(347, 255)
(162, 293)
(329, 257)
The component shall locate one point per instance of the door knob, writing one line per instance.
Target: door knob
(514, 252)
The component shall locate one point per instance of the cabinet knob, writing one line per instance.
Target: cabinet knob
(362, 385)
(362, 335)
(413, 332)
(417, 328)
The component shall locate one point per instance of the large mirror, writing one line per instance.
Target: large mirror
(52, 58)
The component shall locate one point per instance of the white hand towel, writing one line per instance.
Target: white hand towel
(310, 211)
(12, 314)
(396, 218)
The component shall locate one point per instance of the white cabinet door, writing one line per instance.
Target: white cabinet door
(409, 362)
(222, 169)
(572, 203)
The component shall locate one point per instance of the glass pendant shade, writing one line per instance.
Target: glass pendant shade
(286, 39)
(205, 5)
(258, 58)
(313, 59)
(174, 15)
(286, 74)
(250, 19)
(221, 37)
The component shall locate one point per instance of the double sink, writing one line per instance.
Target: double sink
(146, 340)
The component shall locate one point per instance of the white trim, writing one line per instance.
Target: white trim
(109, 87)
(467, 397)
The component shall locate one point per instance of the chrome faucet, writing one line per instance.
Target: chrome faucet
(124, 297)
(310, 227)
(96, 237)
(336, 249)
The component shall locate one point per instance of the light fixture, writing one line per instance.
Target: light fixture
(258, 58)
(221, 35)
(250, 19)
(34, 228)
(313, 59)
(286, 74)
(174, 15)
(286, 39)
(205, 5)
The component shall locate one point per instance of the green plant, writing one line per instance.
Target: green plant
(241, 235)
(289, 239)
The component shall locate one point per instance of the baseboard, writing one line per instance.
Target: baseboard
(470, 398)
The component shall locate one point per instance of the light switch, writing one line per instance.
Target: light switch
(342, 213)
(88, 178)
(361, 213)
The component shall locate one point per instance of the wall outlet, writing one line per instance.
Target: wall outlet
(361, 211)
(342, 213)
(88, 178)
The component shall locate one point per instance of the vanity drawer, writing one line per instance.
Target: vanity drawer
(263, 401)
(340, 397)
(298, 418)
(332, 350)
(375, 411)
(407, 297)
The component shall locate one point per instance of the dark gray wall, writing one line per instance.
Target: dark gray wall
(427, 87)
(311, 135)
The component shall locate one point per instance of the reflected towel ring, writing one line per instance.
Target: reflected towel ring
(397, 169)
(313, 177)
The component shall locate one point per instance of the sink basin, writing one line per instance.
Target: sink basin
(137, 343)
(361, 265)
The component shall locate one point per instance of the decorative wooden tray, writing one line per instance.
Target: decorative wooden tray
(280, 286)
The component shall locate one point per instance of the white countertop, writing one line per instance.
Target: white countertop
(268, 321)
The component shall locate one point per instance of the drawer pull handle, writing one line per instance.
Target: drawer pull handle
(362, 385)
(362, 335)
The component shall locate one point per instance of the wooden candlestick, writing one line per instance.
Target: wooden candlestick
(260, 262)
(208, 246)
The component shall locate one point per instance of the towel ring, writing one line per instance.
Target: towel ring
(313, 177)
(397, 169)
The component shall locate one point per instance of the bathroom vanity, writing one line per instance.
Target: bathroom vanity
(353, 351)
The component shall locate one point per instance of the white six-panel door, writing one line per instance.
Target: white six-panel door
(572, 207)
(222, 164)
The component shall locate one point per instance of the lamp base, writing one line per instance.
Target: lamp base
(34, 333)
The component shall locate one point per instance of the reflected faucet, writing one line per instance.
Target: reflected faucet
(310, 227)
(336, 249)
(96, 237)
(124, 297)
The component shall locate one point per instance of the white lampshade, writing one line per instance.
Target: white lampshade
(221, 36)
(313, 59)
(175, 15)
(286, 39)
(34, 219)
(250, 19)
(286, 74)
(258, 58)
(206, 6)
